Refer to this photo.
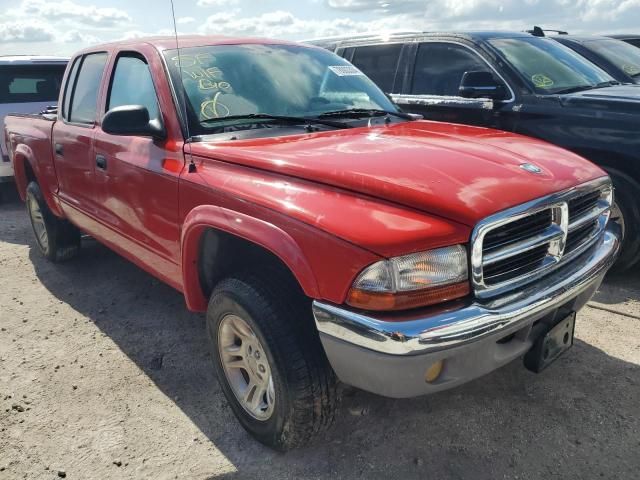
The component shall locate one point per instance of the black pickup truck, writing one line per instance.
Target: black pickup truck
(520, 83)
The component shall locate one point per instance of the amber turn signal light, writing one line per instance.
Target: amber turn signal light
(387, 301)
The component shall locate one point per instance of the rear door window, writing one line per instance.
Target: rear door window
(30, 83)
(84, 98)
(68, 87)
(439, 68)
(379, 63)
(132, 84)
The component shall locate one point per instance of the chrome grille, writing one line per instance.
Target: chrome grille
(515, 247)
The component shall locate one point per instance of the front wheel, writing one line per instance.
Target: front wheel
(56, 238)
(269, 360)
(626, 212)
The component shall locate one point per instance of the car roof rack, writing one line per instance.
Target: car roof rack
(540, 32)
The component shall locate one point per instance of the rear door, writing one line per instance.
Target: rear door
(73, 136)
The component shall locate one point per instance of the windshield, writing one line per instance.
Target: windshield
(549, 67)
(621, 54)
(285, 80)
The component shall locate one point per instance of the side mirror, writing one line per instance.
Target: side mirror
(132, 120)
(481, 85)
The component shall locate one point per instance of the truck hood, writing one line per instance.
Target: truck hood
(619, 98)
(457, 172)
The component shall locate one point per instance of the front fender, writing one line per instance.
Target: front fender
(254, 230)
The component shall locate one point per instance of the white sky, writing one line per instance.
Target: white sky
(60, 27)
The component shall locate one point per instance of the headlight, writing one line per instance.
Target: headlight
(411, 281)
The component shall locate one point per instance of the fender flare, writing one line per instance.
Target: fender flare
(22, 156)
(254, 230)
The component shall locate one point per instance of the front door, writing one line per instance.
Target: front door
(136, 176)
(432, 89)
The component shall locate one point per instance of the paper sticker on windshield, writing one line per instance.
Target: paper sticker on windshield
(631, 69)
(345, 70)
(542, 81)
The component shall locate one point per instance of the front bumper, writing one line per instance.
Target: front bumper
(389, 355)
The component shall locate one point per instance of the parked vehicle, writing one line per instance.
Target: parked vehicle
(518, 83)
(324, 232)
(629, 38)
(28, 84)
(619, 59)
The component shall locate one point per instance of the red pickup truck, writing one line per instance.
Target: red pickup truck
(327, 235)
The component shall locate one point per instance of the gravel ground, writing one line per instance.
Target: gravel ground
(104, 374)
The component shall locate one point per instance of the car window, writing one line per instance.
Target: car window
(634, 42)
(30, 83)
(84, 100)
(547, 66)
(624, 56)
(379, 63)
(440, 66)
(68, 88)
(132, 85)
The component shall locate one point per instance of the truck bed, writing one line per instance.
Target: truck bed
(34, 154)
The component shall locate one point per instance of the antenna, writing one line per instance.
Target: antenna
(182, 99)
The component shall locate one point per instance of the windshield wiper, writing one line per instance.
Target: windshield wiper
(365, 112)
(608, 83)
(280, 118)
(582, 88)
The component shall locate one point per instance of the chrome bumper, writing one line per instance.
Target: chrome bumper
(415, 334)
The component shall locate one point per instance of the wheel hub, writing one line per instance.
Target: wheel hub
(37, 222)
(246, 367)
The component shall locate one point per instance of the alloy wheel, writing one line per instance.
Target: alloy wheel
(37, 222)
(246, 367)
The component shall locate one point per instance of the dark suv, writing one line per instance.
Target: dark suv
(628, 37)
(520, 83)
(619, 59)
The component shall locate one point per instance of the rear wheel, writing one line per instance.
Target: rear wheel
(56, 238)
(269, 360)
(626, 212)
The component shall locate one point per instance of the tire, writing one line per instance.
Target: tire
(303, 390)
(627, 213)
(56, 238)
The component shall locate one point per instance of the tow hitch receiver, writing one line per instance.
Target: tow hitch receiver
(548, 347)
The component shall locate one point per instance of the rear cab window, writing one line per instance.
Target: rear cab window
(30, 83)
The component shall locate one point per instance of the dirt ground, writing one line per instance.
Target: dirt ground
(104, 374)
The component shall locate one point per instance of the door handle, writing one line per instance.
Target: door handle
(101, 162)
(59, 149)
